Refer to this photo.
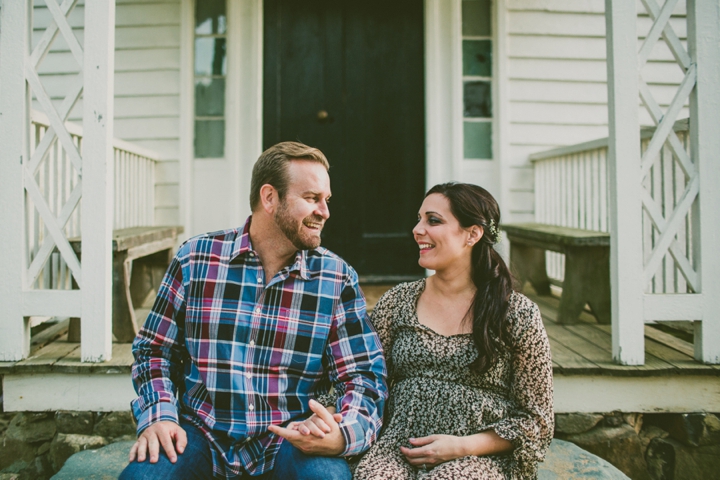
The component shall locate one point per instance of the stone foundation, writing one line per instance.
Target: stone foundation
(643, 446)
(663, 446)
(35, 445)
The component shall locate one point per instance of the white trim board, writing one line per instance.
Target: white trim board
(573, 393)
(75, 392)
(580, 393)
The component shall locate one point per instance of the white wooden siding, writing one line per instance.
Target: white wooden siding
(553, 57)
(147, 84)
(557, 82)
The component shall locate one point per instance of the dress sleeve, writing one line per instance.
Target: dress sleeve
(530, 427)
(357, 370)
(157, 352)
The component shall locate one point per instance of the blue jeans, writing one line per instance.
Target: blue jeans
(196, 463)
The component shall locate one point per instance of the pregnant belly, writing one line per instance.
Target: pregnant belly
(421, 406)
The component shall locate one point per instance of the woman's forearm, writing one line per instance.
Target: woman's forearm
(484, 443)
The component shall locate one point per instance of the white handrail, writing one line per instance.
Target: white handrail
(645, 132)
(59, 182)
(571, 190)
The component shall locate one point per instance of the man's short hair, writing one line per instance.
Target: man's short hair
(271, 167)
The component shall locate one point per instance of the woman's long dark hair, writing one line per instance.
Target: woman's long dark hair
(473, 205)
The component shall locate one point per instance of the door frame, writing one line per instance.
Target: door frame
(443, 101)
(243, 107)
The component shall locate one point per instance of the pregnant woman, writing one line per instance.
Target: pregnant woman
(468, 358)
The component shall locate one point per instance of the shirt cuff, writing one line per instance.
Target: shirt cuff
(355, 441)
(155, 413)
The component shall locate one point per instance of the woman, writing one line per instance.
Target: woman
(468, 358)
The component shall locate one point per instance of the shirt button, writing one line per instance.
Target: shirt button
(248, 375)
(252, 343)
(251, 407)
(259, 280)
(258, 310)
(251, 254)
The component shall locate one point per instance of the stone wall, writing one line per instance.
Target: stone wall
(663, 446)
(35, 445)
(643, 446)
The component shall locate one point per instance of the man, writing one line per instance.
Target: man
(249, 330)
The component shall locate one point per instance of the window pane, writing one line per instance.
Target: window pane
(209, 138)
(478, 102)
(478, 140)
(476, 18)
(477, 58)
(209, 97)
(210, 56)
(210, 17)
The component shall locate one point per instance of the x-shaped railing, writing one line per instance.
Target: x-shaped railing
(667, 226)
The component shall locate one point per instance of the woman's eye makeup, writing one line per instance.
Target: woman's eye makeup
(431, 220)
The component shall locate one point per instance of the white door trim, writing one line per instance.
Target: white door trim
(243, 116)
(443, 125)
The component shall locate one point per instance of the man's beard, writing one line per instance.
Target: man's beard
(292, 230)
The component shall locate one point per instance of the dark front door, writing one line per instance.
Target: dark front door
(347, 77)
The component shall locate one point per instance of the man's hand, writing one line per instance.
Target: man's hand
(433, 450)
(315, 425)
(166, 433)
(318, 435)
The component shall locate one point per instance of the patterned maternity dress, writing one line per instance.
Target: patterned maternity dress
(433, 391)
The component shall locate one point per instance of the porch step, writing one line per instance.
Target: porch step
(373, 292)
(62, 356)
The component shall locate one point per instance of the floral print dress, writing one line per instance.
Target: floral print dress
(433, 391)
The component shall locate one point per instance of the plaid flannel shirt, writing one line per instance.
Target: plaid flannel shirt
(233, 355)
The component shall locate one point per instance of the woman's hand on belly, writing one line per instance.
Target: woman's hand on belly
(436, 449)
(433, 450)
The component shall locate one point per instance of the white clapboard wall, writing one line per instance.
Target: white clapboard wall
(147, 84)
(557, 91)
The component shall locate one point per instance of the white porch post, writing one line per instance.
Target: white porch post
(14, 122)
(624, 175)
(703, 41)
(443, 100)
(97, 204)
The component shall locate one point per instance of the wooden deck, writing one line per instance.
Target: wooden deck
(586, 379)
(586, 348)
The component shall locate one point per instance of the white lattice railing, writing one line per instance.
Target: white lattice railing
(57, 179)
(571, 190)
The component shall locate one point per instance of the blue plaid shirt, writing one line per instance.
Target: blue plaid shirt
(233, 355)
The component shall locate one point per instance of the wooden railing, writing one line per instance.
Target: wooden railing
(58, 181)
(571, 190)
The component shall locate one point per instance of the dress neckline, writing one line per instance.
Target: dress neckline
(422, 283)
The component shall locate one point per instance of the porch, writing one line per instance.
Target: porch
(53, 377)
(659, 202)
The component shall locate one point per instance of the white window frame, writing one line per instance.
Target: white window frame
(243, 105)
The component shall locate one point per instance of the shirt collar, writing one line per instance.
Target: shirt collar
(243, 246)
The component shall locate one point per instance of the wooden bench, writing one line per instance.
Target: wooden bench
(141, 255)
(587, 266)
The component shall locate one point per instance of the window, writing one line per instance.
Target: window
(210, 73)
(477, 79)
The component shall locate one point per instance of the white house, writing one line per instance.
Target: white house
(400, 95)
